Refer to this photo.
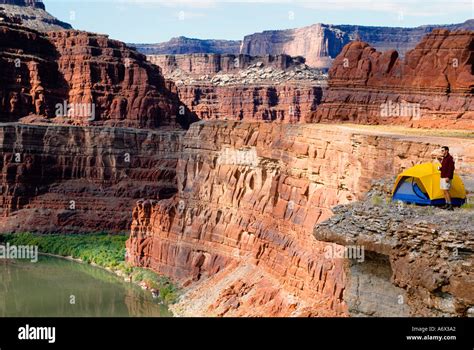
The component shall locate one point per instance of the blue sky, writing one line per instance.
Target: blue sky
(150, 21)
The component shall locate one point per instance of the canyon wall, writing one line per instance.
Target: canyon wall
(432, 87)
(210, 64)
(81, 179)
(239, 231)
(288, 103)
(82, 78)
(319, 43)
(271, 88)
(70, 172)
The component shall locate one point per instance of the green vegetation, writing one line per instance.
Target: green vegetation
(469, 206)
(102, 249)
(377, 200)
(168, 291)
(430, 210)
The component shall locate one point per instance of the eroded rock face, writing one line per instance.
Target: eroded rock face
(288, 103)
(239, 232)
(127, 90)
(317, 43)
(426, 254)
(271, 88)
(31, 82)
(320, 43)
(210, 64)
(432, 87)
(81, 179)
(101, 81)
(29, 3)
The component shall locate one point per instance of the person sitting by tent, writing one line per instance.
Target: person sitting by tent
(447, 174)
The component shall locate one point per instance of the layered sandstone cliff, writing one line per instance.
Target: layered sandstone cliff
(272, 88)
(239, 231)
(211, 64)
(83, 79)
(432, 87)
(288, 103)
(81, 179)
(56, 177)
(319, 43)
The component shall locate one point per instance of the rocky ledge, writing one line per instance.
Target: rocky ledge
(427, 253)
(257, 74)
(224, 70)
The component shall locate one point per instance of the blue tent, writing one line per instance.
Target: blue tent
(410, 192)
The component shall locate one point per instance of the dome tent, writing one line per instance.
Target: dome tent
(421, 185)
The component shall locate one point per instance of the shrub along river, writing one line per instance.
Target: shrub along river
(62, 288)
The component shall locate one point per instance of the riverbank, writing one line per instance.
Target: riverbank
(99, 250)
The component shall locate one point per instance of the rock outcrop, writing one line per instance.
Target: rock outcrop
(83, 79)
(30, 13)
(287, 103)
(239, 231)
(81, 179)
(61, 171)
(432, 87)
(272, 88)
(29, 3)
(318, 43)
(210, 64)
(427, 252)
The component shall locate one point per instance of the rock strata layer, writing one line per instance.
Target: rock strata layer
(270, 88)
(239, 231)
(319, 43)
(82, 78)
(66, 179)
(432, 87)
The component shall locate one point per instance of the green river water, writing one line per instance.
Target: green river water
(54, 287)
